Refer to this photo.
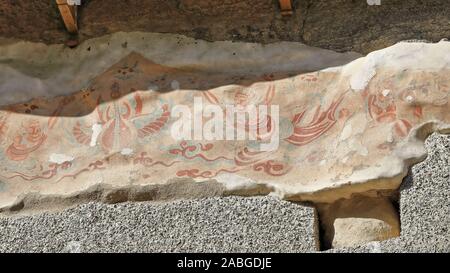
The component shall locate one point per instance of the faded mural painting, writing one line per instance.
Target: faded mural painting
(118, 127)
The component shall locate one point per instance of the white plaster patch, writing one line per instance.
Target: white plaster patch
(365, 73)
(96, 130)
(233, 181)
(386, 92)
(335, 69)
(346, 132)
(60, 158)
(126, 151)
(409, 99)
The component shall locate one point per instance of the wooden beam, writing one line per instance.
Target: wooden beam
(286, 7)
(69, 15)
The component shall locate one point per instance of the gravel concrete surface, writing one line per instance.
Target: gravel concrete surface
(231, 224)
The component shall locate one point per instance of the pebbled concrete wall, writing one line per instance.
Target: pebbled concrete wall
(231, 224)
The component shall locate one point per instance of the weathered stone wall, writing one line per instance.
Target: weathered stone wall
(30, 70)
(341, 25)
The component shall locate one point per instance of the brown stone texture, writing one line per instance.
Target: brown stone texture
(341, 25)
(358, 220)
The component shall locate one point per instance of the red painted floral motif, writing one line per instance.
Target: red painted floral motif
(320, 124)
(194, 151)
(26, 141)
(117, 121)
(271, 167)
(147, 161)
(196, 173)
(382, 109)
